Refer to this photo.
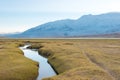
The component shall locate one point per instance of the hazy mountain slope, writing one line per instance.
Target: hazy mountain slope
(10, 34)
(86, 25)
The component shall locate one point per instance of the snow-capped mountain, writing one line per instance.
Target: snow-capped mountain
(84, 26)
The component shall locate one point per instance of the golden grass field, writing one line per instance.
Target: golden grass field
(13, 64)
(73, 59)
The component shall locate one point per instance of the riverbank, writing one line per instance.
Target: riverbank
(45, 70)
(73, 59)
(13, 64)
(82, 59)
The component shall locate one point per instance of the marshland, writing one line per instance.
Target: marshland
(72, 59)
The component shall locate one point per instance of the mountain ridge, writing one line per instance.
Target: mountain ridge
(84, 26)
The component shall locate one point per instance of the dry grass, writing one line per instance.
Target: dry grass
(13, 64)
(83, 59)
(79, 59)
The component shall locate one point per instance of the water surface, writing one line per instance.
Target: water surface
(45, 70)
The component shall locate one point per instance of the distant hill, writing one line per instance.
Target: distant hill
(113, 35)
(10, 34)
(86, 25)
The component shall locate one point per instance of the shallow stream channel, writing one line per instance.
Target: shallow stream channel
(45, 70)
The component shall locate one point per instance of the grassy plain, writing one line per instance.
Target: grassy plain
(73, 59)
(82, 59)
(13, 64)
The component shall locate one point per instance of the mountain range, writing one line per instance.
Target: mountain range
(87, 25)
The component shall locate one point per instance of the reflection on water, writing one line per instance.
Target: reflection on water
(45, 70)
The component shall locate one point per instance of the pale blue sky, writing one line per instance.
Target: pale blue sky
(20, 15)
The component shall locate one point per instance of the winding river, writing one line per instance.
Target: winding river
(45, 70)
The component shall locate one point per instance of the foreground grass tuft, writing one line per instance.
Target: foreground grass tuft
(13, 64)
